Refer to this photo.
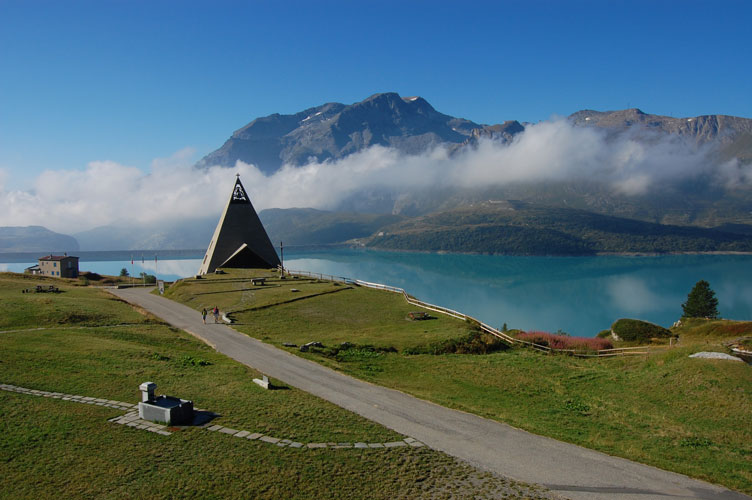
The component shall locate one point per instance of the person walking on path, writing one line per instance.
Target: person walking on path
(215, 311)
(203, 315)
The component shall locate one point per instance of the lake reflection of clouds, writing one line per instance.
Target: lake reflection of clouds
(634, 295)
(175, 268)
(734, 295)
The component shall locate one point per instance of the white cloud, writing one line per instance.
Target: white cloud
(105, 192)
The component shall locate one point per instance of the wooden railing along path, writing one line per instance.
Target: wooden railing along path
(508, 339)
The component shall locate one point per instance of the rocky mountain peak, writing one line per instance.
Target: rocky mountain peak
(335, 130)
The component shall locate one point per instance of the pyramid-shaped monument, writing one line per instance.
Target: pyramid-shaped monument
(240, 240)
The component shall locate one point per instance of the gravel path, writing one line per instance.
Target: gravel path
(569, 470)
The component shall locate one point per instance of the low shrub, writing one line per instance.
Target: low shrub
(347, 351)
(695, 442)
(472, 324)
(635, 330)
(191, 361)
(474, 342)
(577, 407)
(565, 342)
(604, 334)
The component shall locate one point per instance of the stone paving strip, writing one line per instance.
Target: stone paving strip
(41, 328)
(131, 419)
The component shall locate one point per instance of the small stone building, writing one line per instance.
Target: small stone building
(59, 266)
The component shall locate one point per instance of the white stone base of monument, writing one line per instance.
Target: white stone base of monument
(263, 382)
(167, 410)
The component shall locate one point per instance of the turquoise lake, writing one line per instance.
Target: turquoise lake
(579, 295)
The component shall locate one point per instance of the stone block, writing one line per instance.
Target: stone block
(167, 410)
(263, 382)
(395, 444)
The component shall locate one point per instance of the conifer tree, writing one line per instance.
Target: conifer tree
(701, 302)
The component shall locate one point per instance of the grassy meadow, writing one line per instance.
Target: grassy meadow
(85, 341)
(692, 416)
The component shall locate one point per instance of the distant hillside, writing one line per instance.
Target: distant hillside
(293, 226)
(306, 226)
(35, 239)
(513, 229)
(191, 233)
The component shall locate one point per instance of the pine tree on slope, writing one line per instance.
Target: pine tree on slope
(701, 302)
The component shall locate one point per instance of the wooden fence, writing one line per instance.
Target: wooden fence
(507, 339)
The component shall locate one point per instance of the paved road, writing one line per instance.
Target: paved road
(569, 470)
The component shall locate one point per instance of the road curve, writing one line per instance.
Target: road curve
(569, 470)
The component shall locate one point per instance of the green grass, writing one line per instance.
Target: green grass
(698, 330)
(54, 448)
(74, 305)
(687, 415)
(321, 311)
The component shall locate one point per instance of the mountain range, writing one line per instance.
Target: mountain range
(35, 239)
(563, 216)
(411, 125)
(333, 131)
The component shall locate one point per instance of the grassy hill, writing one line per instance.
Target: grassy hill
(84, 341)
(307, 226)
(665, 409)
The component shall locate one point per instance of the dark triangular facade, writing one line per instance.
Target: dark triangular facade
(240, 239)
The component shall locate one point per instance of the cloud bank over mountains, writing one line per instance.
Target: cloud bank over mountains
(104, 192)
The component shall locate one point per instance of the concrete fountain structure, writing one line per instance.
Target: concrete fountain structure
(167, 410)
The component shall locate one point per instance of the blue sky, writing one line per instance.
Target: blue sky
(131, 81)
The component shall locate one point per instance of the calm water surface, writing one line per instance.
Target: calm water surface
(580, 295)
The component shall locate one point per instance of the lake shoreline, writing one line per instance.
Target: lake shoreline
(127, 255)
(595, 254)
(581, 295)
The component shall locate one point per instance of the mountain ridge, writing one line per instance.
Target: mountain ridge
(35, 239)
(334, 130)
(411, 125)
